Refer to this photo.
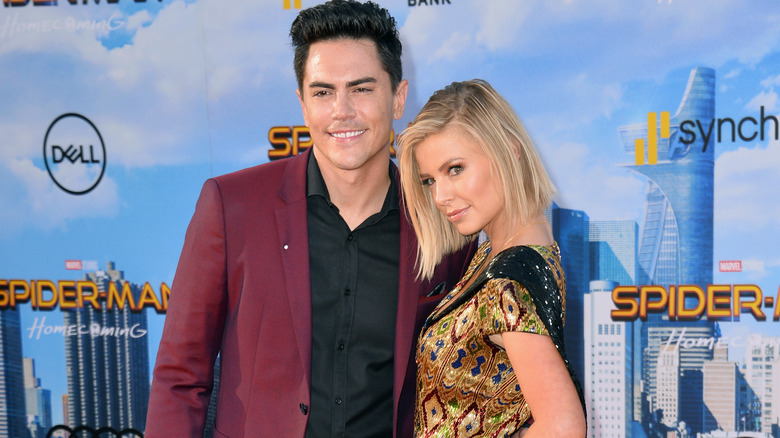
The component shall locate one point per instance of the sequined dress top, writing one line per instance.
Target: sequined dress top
(465, 383)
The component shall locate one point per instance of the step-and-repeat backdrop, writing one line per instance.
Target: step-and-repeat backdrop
(658, 121)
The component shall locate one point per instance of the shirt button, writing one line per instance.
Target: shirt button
(347, 292)
(349, 237)
(341, 346)
(304, 409)
(338, 400)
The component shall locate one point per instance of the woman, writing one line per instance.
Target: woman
(491, 356)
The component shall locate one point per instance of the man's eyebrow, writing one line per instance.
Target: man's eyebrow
(361, 81)
(350, 84)
(321, 85)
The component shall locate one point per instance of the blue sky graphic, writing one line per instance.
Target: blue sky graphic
(185, 90)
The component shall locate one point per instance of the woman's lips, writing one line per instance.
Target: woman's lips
(455, 215)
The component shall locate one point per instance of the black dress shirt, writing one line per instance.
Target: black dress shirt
(354, 298)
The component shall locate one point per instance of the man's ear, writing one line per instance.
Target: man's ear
(303, 107)
(399, 100)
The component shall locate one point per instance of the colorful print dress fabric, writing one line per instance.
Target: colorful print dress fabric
(465, 383)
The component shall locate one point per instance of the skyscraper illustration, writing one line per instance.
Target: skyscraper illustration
(570, 229)
(613, 245)
(668, 392)
(108, 368)
(675, 243)
(38, 402)
(608, 375)
(721, 393)
(762, 363)
(12, 416)
(613, 257)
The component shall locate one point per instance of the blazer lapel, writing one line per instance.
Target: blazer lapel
(408, 297)
(291, 222)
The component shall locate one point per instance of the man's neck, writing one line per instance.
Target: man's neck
(358, 193)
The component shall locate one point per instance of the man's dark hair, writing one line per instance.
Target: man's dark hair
(347, 19)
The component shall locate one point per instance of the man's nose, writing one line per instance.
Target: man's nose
(344, 107)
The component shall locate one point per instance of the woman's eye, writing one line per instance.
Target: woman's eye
(428, 181)
(454, 170)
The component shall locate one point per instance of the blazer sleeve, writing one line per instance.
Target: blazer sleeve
(184, 370)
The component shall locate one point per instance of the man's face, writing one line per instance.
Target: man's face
(348, 104)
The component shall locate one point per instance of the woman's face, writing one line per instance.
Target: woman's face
(459, 176)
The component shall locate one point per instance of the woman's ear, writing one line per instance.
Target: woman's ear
(516, 149)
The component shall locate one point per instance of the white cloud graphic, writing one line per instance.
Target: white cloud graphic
(160, 97)
(164, 98)
(747, 209)
(746, 195)
(601, 190)
(139, 19)
(38, 203)
(766, 99)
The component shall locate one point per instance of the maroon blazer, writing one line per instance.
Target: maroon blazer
(242, 289)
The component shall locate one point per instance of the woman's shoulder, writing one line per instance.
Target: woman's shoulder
(526, 256)
(535, 267)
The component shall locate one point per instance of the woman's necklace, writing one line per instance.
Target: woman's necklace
(520, 230)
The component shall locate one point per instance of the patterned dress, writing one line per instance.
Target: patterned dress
(465, 383)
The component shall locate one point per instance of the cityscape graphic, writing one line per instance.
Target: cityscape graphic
(667, 204)
(641, 378)
(106, 367)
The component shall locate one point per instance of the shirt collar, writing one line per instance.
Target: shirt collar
(315, 185)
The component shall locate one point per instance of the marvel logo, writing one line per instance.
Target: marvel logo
(73, 265)
(730, 266)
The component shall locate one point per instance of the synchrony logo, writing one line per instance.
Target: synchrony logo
(287, 4)
(74, 153)
(708, 132)
(652, 139)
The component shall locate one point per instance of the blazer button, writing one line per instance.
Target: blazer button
(304, 409)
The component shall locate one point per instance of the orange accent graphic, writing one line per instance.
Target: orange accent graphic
(690, 302)
(289, 141)
(652, 139)
(77, 294)
(296, 4)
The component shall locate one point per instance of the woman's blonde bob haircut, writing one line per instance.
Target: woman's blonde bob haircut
(476, 110)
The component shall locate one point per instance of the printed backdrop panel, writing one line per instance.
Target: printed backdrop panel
(657, 120)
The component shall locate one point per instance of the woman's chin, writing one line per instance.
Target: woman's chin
(467, 231)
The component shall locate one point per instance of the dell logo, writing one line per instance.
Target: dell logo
(74, 153)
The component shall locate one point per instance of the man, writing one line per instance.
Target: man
(300, 272)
